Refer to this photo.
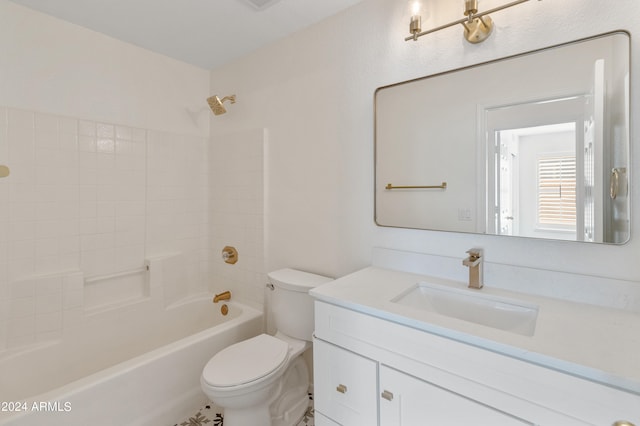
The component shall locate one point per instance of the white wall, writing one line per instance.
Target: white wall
(52, 66)
(314, 93)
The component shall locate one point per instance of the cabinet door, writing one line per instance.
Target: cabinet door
(345, 385)
(407, 401)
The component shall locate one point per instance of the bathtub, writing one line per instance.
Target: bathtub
(126, 366)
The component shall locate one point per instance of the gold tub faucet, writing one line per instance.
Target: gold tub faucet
(226, 295)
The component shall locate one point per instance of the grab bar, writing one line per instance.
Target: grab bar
(117, 275)
(441, 186)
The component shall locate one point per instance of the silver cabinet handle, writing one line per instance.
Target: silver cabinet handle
(341, 388)
(387, 395)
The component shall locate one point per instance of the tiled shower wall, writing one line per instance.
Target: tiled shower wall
(237, 212)
(86, 199)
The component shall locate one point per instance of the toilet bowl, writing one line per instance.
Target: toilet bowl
(264, 380)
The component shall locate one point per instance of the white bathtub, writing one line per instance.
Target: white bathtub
(127, 366)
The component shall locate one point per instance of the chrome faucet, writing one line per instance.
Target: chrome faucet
(474, 263)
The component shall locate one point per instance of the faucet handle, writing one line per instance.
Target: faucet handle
(475, 252)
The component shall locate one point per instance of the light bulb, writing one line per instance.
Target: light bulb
(415, 6)
(415, 24)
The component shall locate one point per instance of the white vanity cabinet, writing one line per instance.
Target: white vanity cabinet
(396, 375)
(406, 400)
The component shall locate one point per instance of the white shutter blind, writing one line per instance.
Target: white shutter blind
(557, 191)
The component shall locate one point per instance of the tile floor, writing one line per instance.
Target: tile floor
(212, 415)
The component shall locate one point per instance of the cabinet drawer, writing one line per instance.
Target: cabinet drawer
(345, 385)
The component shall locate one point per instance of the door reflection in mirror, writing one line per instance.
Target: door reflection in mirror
(537, 146)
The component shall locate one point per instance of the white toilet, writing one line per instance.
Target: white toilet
(264, 380)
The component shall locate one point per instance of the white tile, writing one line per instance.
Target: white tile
(88, 194)
(105, 209)
(22, 249)
(48, 285)
(4, 145)
(139, 135)
(21, 331)
(73, 299)
(68, 125)
(87, 143)
(68, 244)
(123, 132)
(48, 303)
(104, 130)
(23, 212)
(21, 268)
(46, 247)
(133, 237)
(73, 282)
(88, 160)
(88, 262)
(131, 208)
(129, 257)
(105, 225)
(87, 209)
(21, 119)
(47, 322)
(46, 336)
(87, 128)
(105, 146)
(22, 307)
(124, 147)
(46, 139)
(105, 261)
(56, 228)
(72, 317)
(21, 147)
(68, 142)
(46, 123)
(67, 261)
(105, 160)
(88, 176)
(107, 194)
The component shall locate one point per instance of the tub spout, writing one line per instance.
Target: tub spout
(222, 296)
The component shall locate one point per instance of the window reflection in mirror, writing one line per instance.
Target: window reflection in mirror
(535, 145)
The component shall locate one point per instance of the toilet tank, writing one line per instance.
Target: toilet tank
(291, 304)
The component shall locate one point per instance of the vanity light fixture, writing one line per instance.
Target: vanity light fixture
(477, 25)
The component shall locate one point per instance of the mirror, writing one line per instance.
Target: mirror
(534, 145)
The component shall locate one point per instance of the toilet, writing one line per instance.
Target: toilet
(264, 380)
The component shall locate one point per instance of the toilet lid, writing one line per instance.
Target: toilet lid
(246, 361)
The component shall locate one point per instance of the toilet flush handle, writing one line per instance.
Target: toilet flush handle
(270, 286)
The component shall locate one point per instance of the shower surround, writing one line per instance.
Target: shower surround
(86, 200)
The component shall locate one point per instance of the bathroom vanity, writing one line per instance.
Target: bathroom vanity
(395, 348)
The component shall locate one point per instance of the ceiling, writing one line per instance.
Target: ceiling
(205, 33)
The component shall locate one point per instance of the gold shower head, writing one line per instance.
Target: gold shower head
(215, 103)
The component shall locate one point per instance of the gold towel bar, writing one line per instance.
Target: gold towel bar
(442, 186)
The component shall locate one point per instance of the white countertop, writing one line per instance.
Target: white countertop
(593, 342)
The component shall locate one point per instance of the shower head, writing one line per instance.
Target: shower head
(215, 103)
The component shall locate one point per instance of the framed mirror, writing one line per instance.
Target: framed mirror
(533, 145)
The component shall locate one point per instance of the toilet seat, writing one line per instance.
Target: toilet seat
(246, 362)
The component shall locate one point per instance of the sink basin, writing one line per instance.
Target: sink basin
(473, 306)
